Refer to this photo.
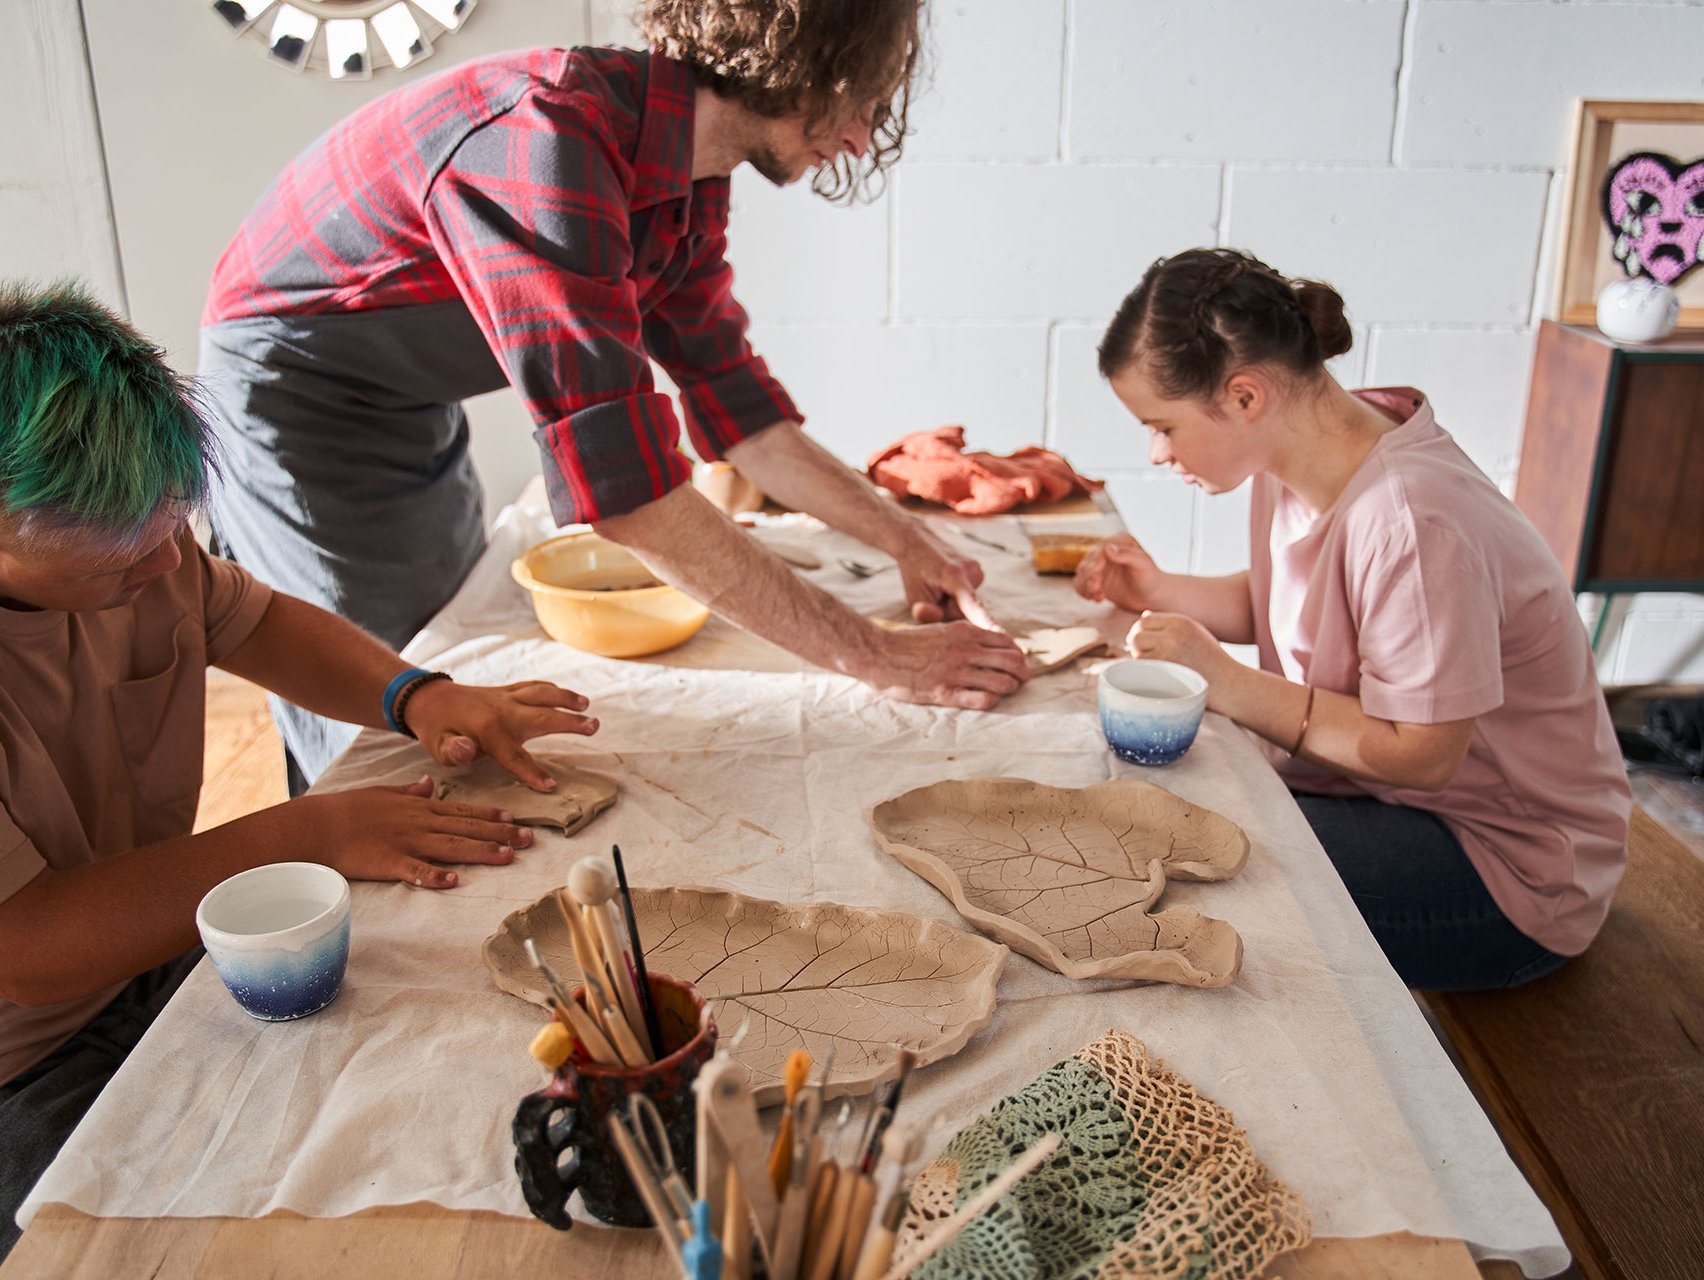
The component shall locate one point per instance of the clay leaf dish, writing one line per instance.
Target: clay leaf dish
(1069, 877)
(803, 976)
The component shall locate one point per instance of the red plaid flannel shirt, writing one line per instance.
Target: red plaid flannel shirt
(550, 191)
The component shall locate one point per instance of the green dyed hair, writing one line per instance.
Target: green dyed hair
(97, 432)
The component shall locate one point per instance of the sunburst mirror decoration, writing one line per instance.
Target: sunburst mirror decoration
(345, 39)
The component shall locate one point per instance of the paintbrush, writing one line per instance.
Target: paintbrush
(781, 1155)
(646, 1000)
(883, 1115)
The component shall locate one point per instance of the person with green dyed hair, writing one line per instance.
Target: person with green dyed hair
(110, 615)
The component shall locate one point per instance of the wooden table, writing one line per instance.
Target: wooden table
(425, 1242)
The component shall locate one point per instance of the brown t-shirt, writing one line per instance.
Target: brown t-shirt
(102, 716)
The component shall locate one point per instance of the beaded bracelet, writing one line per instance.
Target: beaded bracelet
(1307, 716)
(401, 709)
(400, 690)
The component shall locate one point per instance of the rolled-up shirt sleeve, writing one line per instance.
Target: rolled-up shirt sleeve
(698, 334)
(529, 216)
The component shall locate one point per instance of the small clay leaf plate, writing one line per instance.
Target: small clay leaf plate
(1068, 876)
(803, 977)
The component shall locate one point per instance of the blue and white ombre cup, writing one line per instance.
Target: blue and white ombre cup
(1150, 709)
(279, 937)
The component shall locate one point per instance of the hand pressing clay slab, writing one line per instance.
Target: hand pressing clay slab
(1070, 877)
(1048, 648)
(579, 796)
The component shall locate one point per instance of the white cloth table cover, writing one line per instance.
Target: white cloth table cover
(743, 768)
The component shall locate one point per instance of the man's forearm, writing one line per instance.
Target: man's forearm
(687, 542)
(798, 472)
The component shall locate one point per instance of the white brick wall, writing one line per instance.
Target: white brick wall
(1408, 151)
(1216, 80)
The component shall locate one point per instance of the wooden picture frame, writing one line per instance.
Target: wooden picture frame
(1606, 135)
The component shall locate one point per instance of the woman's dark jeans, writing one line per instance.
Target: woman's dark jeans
(1431, 913)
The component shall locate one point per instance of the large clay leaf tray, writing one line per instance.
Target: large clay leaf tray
(804, 977)
(1069, 877)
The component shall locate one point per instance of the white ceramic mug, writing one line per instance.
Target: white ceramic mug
(279, 937)
(1150, 709)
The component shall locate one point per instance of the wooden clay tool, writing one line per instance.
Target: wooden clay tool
(586, 954)
(900, 1145)
(584, 1026)
(733, 1117)
(592, 885)
(942, 1235)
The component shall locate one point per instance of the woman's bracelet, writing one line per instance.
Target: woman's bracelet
(1307, 716)
(394, 701)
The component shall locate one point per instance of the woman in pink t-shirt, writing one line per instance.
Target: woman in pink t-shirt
(1425, 682)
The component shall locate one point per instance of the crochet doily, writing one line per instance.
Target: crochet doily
(1151, 1180)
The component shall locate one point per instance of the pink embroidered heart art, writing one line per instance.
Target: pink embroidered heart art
(1654, 206)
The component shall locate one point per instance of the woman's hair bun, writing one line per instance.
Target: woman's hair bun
(1323, 306)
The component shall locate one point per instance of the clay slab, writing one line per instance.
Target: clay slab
(1069, 877)
(803, 976)
(579, 796)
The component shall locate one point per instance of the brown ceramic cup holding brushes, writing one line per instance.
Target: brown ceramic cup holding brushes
(561, 1132)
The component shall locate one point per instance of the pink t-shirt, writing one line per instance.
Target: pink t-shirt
(1425, 593)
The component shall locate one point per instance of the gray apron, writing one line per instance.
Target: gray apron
(346, 475)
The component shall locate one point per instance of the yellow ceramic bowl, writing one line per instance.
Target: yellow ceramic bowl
(592, 594)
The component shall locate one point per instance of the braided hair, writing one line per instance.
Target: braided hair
(1197, 316)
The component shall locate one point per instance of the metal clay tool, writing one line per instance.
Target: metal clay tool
(584, 1026)
(646, 1182)
(653, 1136)
(647, 1000)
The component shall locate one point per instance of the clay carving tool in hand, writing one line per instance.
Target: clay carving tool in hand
(592, 885)
(734, 1117)
(584, 1026)
(942, 1235)
(589, 957)
(647, 1003)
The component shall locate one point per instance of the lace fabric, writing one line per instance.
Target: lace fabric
(1152, 1179)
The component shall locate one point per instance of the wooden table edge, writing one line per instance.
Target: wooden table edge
(426, 1241)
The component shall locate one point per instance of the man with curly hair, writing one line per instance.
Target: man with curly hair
(555, 219)
(110, 615)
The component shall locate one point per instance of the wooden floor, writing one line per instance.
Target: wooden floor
(244, 766)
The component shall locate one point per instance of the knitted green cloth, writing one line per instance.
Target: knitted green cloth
(1150, 1179)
